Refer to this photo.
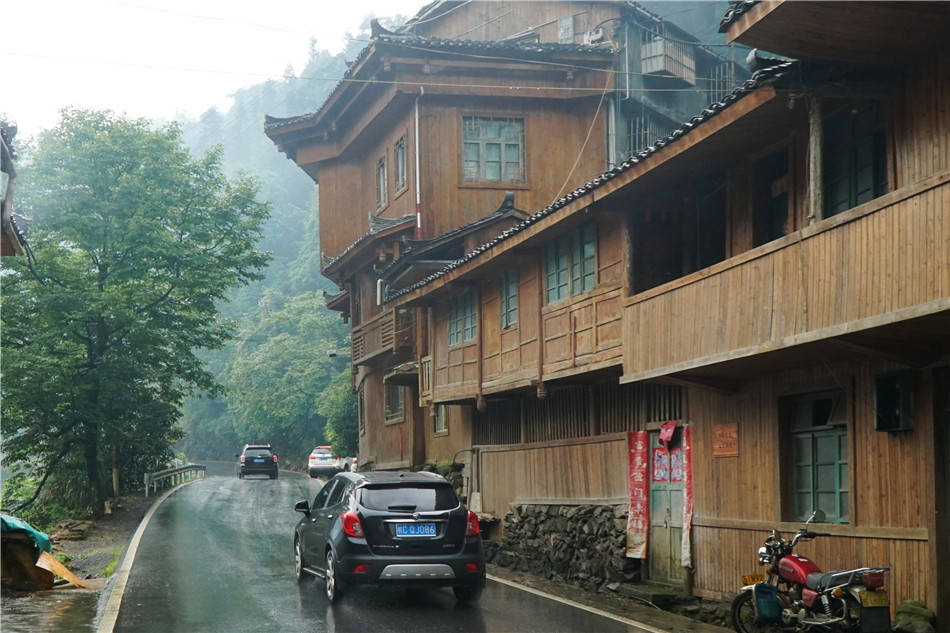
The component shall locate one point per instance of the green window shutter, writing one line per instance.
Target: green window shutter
(550, 272)
(508, 298)
(583, 260)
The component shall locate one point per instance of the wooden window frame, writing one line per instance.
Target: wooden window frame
(508, 298)
(876, 135)
(567, 266)
(482, 180)
(382, 186)
(394, 415)
(400, 166)
(463, 318)
(440, 420)
(788, 460)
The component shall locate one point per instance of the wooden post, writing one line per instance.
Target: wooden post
(816, 185)
(542, 390)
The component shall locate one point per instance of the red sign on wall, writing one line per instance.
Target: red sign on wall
(638, 520)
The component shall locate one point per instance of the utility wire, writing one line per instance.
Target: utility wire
(512, 87)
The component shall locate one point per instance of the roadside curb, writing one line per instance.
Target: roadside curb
(110, 612)
(638, 626)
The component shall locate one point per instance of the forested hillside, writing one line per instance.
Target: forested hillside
(277, 369)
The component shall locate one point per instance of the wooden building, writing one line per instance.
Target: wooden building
(774, 274)
(437, 138)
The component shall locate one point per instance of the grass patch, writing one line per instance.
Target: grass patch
(108, 569)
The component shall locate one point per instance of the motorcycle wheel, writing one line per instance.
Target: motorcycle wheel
(743, 616)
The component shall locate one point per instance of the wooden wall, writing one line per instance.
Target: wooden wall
(577, 333)
(587, 470)
(500, 19)
(347, 190)
(554, 134)
(737, 500)
(444, 446)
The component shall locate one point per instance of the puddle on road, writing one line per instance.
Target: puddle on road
(66, 610)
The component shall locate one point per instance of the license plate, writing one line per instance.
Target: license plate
(258, 461)
(874, 599)
(752, 579)
(415, 529)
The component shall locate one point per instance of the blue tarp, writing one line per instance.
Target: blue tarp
(12, 524)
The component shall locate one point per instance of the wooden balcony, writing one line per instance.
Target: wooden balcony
(385, 332)
(878, 264)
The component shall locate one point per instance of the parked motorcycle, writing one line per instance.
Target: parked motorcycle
(796, 595)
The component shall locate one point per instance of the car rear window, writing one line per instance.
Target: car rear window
(414, 498)
(320, 451)
(257, 452)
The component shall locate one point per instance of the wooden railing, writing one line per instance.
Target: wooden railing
(425, 380)
(385, 332)
(883, 262)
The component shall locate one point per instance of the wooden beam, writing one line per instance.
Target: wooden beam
(912, 356)
(816, 193)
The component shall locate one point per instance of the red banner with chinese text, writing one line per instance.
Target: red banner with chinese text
(638, 520)
(686, 557)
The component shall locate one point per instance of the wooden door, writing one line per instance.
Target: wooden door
(666, 509)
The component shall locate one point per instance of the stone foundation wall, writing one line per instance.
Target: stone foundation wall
(582, 544)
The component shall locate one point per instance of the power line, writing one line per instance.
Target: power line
(510, 87)
(213, 18)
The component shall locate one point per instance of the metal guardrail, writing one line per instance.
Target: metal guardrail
(175, 476)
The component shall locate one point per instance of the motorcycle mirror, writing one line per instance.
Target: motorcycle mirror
(816, 517)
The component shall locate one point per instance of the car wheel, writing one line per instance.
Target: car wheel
(313, 475)
(299, 562)
(274, 476)
(333, 585)
(468, 593)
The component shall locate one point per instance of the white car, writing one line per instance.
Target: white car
(322, 461)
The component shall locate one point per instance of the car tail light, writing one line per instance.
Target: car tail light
(351, 524)
(471, 529)
(275, 458)
(362, 568)
(471, 566)
(242, 459)
(874, 579)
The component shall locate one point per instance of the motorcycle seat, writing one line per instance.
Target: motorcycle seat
(820, 581)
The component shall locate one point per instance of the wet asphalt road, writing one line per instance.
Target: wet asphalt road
(218, 556)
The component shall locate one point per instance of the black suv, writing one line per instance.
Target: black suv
(257, 459)
(389, 528)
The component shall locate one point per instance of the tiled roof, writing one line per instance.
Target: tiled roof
(760, 78)
(736, 8)
(376, 225)
(517, 50)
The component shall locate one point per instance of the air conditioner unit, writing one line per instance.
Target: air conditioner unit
(595, 36)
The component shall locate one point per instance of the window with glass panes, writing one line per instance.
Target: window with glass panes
(463, 324)
(380, 182)
(394, 403)
(818, 443)
(441, 421)
(492, 149)
(570, 264)
(855, 162)
(399, 156)
(508, 294)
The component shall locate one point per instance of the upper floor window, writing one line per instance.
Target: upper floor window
(399, 156)
(492, 149)
(508, 297)
(855, 162)
(381, 183)
(570, 264)
(463, 324)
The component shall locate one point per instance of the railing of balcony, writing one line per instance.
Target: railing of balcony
(373, 337)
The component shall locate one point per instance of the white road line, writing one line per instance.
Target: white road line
(640, 626)
(111, 611)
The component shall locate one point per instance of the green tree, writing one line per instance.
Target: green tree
(280, 370)
(338, 405)
(135, 243)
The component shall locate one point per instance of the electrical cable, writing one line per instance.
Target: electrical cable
(512, 87)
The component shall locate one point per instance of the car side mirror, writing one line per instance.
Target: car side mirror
(302, 506)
